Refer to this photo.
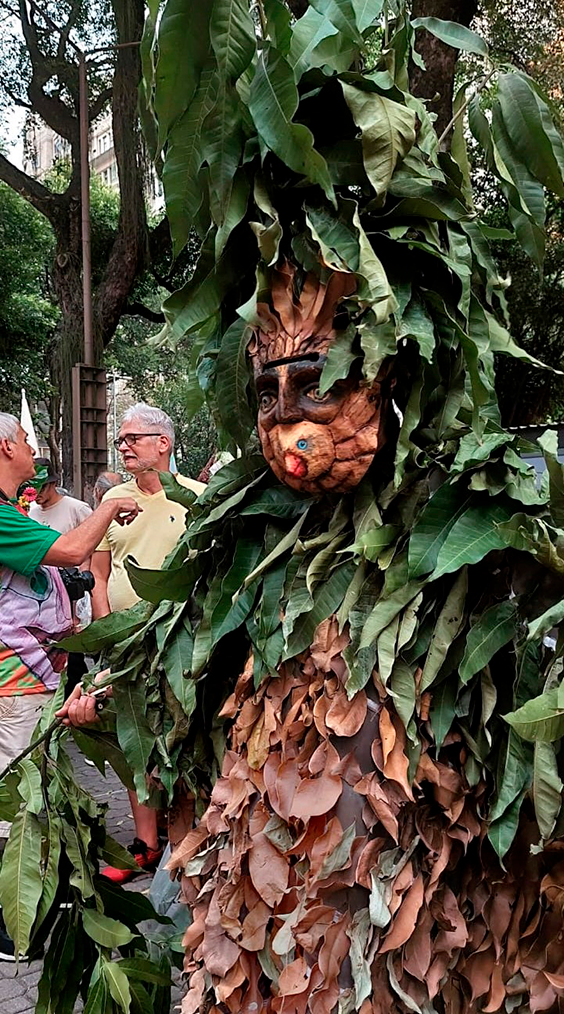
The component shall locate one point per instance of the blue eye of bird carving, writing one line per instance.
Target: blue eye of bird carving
(301, 445)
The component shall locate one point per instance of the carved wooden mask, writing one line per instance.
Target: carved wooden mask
(312, 442)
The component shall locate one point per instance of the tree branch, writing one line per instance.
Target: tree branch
(49, 204)
(97, 106)
(137, 309)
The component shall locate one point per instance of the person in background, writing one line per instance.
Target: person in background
(51, 508)
(146, 443)
(104, 482)
(35, 608)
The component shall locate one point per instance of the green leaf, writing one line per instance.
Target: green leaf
(547, 788)
(327, 599)
(134, 733)
(176, 491)
(519, 106)
(549, 445)
(546, 621)
(110, 629)
(144, 971)
(50, 884)
(279, 501)
(494, 628)
(502, 831)
(177, 661)
(540, 719)
(200, 298)
(141, 1002)
(156, 586)
(443, 709)
(118, 984)
(114, 854)
(232, 35)
(273, 103)
(182, 182)
(339, 360)
(232, 382)
(416, 323)
(20, 878)
(453, 34)
(447, 504)
(278, 19)
(316, 42)
(30, 785)
(371, 544)
(105, 931)
(387, 132)
(446, 629)
(97, 1000)
(514, 774)
(351, 17)
(184, 28)
(472, 537)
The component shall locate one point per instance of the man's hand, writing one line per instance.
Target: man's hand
(125, 509)
(80, 708)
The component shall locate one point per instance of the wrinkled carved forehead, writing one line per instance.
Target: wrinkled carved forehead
(292, 324)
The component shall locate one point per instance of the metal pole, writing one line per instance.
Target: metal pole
(114, 450)
(85, 208)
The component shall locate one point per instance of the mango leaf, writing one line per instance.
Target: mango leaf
(514, 774)
(97, 999)
(278, 19)
(141, 1002)
(20, 878)
(351, 17)
(108, 630)
(547, 788)
(183, 28)
(279, 501)
(273, 103)
(118, 985)
(502, 831)
(134, 733)
(29, 787)
(443, 709)
(494, 628)
(472, 537)
(177, 662)
(176, 491)
(307, 47)
(540, 719)
(339, 360)
(200, 298)
(446, 629)
(446, 506)
(387, 132)
(156, 586)
(327, 599)
(182, 182)
(371, 544)
(50, 884)
(144, 971)
(546, 621)
(520, 111)
(116, 855)
(549, 445)
(232, 383)
(106, 932)
(453, 34)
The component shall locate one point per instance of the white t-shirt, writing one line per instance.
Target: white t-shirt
(66, 514)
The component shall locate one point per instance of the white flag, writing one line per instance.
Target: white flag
(27, 424)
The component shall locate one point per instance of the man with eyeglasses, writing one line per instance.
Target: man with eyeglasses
(146, 444)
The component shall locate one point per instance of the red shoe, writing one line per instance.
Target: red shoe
(147, 860)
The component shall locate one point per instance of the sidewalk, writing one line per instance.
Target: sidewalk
(18, 992)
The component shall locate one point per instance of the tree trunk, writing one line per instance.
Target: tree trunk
(436, 83)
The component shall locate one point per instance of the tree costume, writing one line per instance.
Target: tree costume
(347, 687)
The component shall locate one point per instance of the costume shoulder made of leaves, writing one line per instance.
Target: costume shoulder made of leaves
(298, 139)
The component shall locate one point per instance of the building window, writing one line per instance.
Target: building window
(105, 142)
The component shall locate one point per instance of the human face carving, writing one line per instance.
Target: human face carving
(313, 442)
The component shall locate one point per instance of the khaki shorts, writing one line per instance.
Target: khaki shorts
(18, 718)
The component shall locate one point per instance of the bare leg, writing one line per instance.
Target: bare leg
(145, 822)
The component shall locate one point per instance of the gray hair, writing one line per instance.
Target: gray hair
(151, 416)
(106, 481)
(9, 427)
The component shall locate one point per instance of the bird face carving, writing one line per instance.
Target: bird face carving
(313, 442)
(316, 442)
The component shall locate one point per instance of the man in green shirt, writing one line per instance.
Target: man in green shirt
(35, 610)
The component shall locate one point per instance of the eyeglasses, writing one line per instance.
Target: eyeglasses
(131, 438)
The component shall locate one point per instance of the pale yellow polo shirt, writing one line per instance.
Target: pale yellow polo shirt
(149, 538)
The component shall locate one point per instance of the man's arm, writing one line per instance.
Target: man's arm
(70, 549)
(101, 567)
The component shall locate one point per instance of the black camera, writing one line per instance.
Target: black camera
(77, 582)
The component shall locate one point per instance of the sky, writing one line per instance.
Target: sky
(12, 133)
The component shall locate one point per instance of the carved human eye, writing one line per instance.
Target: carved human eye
(266, 401)
(315, 394)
